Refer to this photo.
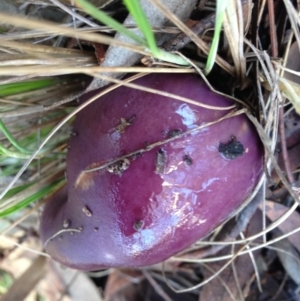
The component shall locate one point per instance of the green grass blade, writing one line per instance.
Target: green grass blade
(107, 20)
(9, 167)
(143, 23)
(17, 189)
(12, 154)
(221, 7)
(141, 20)
(34, 197)
(11, 139)
(171, 58)
(16, 88)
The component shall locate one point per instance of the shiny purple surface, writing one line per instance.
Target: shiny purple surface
(142, 217)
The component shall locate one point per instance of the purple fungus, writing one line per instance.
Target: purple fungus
(160, 181)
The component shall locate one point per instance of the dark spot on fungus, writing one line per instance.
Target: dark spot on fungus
(87, 211)
(232, 149)
(131, 119)
(174, 133)
(136, 155)
(147, 144)
(124, 123)
(122, 126)
(161, 161)
(67, 223)
(119, 167)
(188, 160)
(138, 225)
(96, 229)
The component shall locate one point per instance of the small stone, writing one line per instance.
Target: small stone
(232, 149)
(174, 133)
(124, 123)
(138, 225)
(67, 223)
(87, 211)
(119, 167)
(188, 160)
(161, 161)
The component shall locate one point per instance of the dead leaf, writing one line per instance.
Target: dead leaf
(26, 283)
(77, 284)
(274, 211)
(293, 63)
(215, 290)
(52, 287)
(294, 160)
(121, 285)
(289, 257)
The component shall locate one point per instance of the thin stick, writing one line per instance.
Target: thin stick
(274, 42)
(162, 142)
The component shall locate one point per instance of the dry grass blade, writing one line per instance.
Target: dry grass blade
(256, 270)
(67, 69)
(285, 215)
(222, 281)
(266, 141)
(56, 60)
(294, 19)
(156, 286)
(234, 30)
(254, 247)
(41, 49)
(216, 274)
(73, 13)
(166, 94)
(52, 28)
